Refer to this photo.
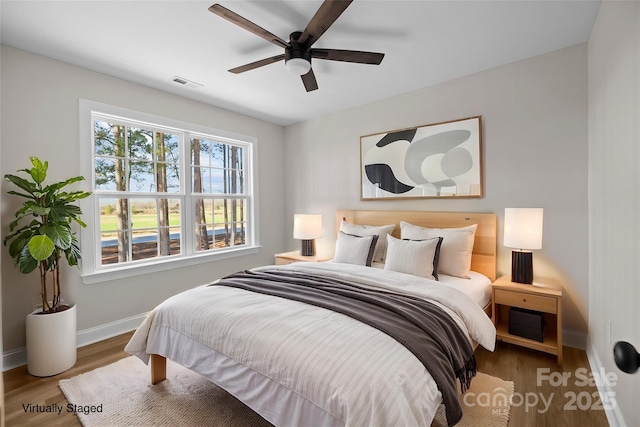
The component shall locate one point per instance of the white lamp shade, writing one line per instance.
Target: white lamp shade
(523, 228)
(307, 226)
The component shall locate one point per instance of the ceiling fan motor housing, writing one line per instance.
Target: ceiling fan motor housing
(297, 52)
(294, 50)
(297, 59)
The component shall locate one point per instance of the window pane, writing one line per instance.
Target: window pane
(237, 157)
(167, 209)
(202, 240)
(202, 220)
(217, 182)
(114, 215)
(230, 224)
(205, 180)
(236, 185)
(164, 241)
(174, 212)
(145, 245)
(103, 138)
(142, 177)
(171, 145)
(241, 231)
(215, 154)
(109, 139)
(114, 230)
(108, 217)
(140, 144)
(172, 171)
(114, 247)
(202, 211)
(176, 246)
(198, 151)
(167, 158)
(106, 171)
(221, 236)
(144, 215)
(197, 184)
(219, 211)
(236, 210)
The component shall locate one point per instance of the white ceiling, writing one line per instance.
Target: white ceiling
(425, 42)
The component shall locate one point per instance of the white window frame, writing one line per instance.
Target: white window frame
(92, 269)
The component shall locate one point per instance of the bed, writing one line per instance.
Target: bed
(298, 362)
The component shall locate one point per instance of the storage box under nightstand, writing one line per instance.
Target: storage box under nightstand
(526, 323)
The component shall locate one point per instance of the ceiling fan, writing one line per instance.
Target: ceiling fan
(297, 51)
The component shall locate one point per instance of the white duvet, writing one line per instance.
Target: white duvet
(302, 365)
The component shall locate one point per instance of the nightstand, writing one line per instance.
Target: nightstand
(506, 294)
(289, 257)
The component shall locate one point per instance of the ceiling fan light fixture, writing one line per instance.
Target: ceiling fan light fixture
(299, 66)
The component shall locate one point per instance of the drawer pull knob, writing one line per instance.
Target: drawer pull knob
(524, 299)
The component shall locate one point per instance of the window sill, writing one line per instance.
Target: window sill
(168, 264)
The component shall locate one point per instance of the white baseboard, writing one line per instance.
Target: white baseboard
(102, 332)
(574, 339)
(614, 416)
(14, 358)
(18, 357)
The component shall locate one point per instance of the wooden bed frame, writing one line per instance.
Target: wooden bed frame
(483, 258)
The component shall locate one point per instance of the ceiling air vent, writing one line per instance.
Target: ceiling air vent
(184, 82)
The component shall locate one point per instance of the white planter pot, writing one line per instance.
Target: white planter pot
(51, 342)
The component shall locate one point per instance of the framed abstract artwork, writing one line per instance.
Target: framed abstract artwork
(438, 160)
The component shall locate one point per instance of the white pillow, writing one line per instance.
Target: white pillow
(456, 248)
(411, 256)
(352, 249)
(368, 230)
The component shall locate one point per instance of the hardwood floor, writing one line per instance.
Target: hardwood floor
(563, 398)
(22, 388)
(508, 362)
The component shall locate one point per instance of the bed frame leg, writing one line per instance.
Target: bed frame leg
(158, 368)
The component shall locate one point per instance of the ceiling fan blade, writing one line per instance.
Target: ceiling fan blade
(230, 16)
(309, 80)
(257, 64)
(348, 56)
(326, 15)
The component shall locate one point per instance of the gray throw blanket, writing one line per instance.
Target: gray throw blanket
(422, 327)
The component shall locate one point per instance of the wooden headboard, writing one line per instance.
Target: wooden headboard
(483, 259)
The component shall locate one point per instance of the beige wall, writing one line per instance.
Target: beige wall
(39, 101)
(534, 118)
(614, 196)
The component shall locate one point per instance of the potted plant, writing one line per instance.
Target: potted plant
(41, 238)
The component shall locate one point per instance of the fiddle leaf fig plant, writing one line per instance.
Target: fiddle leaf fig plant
(41, 234)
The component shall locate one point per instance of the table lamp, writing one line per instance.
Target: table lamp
(522, 231)
(307, 227)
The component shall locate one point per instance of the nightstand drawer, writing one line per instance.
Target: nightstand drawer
(531, 302)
